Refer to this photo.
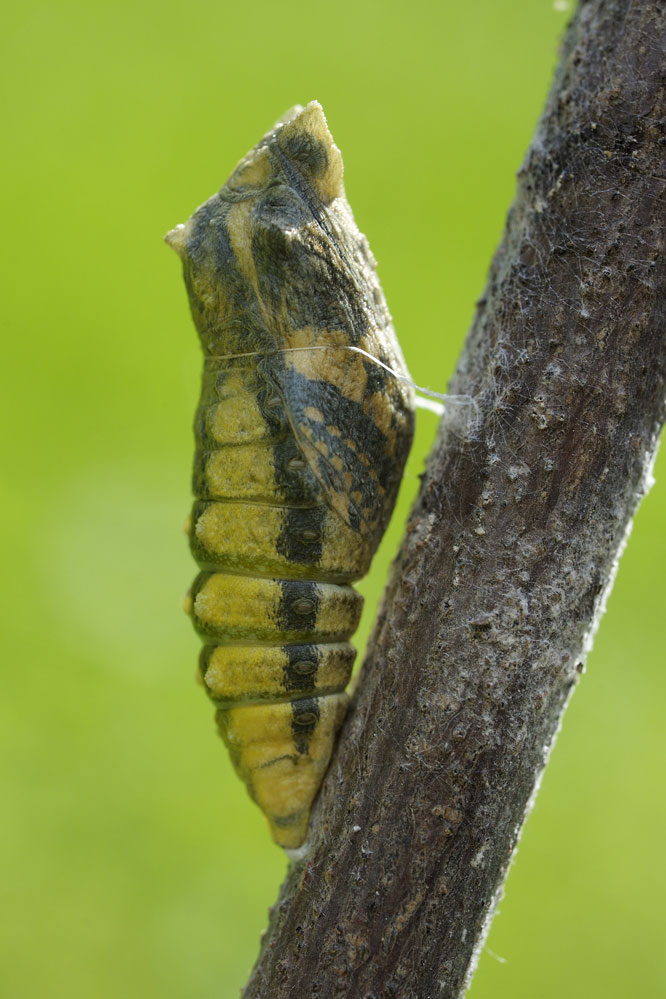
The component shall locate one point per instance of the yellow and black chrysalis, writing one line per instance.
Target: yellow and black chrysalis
(301, 441)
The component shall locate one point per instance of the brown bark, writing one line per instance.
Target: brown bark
(509, 552)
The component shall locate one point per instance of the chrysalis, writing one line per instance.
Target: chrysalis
(299, 455)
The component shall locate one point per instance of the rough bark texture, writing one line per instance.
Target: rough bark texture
(509, 552)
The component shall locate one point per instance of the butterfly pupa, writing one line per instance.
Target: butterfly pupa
(299, 455)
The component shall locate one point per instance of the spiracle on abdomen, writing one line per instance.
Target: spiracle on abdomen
(300, 446)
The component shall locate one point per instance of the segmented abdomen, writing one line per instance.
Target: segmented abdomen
(272, 603)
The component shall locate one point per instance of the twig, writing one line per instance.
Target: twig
(510, 551)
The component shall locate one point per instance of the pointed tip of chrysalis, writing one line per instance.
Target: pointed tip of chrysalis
(303, 135)
(177, 238)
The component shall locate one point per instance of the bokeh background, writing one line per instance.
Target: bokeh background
(132, 862)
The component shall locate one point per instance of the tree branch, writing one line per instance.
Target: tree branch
(509, 552)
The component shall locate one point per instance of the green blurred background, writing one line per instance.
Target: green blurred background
(132, 862)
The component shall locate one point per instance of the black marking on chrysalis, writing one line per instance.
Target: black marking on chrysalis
(304, 718)
(300, 673)
(300, 539)
(299, 604)
(293, 476)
